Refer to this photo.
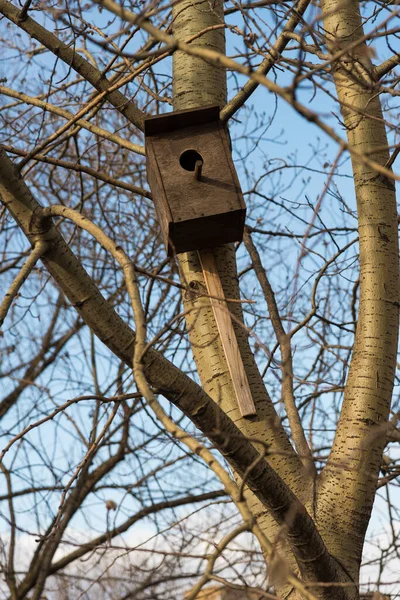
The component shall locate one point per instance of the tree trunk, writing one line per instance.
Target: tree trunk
(347, 486)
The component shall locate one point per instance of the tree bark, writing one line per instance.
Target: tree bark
(347, 486)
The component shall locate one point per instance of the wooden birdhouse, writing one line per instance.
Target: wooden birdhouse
(193, 180)
(200, 205)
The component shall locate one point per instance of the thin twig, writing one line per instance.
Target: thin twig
(38, 250)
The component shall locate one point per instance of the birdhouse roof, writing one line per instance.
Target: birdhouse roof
(180, 119)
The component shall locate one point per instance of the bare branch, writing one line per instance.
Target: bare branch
(74, 60)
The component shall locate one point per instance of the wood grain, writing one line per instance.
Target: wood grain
(227, 334)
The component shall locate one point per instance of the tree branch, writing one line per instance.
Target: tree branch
(141, 514)
(273, 55)
(38, 250)
(385, 67)
(286, 358)
(61, 112)
(74, 60)
(79, 168)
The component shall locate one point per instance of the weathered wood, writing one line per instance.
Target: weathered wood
(197, 169)
(198, 207)
(227, 334)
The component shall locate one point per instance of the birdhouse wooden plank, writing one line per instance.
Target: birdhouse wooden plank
(193, 180)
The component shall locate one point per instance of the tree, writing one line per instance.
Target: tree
(79, 431)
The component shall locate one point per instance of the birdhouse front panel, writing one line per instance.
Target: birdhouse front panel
(193, 180)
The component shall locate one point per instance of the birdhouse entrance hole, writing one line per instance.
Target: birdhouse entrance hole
(189, 158)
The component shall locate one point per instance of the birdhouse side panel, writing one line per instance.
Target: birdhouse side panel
(225, 141)
(157, 191)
